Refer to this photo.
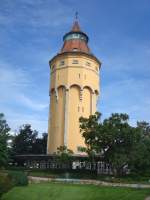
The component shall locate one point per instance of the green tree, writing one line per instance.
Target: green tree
(4, 135)
(64, 155)
(24, 141)
(140, 156)
(40, 144)
(89, 128)
(144, 128)
(113, 139)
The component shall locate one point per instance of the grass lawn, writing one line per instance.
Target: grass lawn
(60, 191)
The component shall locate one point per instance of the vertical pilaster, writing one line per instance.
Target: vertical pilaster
(56, 125)
(93, 104)
(48, 138)
(66, 116)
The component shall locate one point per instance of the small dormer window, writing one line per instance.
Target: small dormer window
(75, 49)
(75, 62)
(62, 62)
(74, 36)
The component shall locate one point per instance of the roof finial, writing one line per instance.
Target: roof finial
(76, 15)
(76, 27)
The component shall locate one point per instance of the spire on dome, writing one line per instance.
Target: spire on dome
(76, 15)
(76, 27)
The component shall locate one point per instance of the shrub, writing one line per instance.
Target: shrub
(18, 178)
(5, 184)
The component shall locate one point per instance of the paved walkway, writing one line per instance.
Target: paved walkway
(148, 198)
(33, 179)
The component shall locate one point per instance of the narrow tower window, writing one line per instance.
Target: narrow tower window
(82, 109)
(75, 62)
(88, 63)
(96, 69)
(62, 62)
(79, 75)
(78, 108)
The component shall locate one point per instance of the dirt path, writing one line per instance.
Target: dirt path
(33, 179)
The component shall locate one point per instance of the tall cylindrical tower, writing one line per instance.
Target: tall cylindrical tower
(74, 89)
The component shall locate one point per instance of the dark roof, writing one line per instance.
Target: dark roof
(77, 45)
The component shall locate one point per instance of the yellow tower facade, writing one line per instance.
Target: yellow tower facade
(74, 90)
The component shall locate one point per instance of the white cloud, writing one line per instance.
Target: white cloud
(13, 83)
(19, 107)
(12, 77)
(31, 103)
(13, 80)
(125, 80)
(34, 13)
(129, 96)
(15, 120)
(130, 57)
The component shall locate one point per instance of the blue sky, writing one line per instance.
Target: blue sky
(31, 33)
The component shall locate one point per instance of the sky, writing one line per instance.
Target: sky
(31, 33)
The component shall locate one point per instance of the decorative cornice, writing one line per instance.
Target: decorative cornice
(58, 68)
(75, 53)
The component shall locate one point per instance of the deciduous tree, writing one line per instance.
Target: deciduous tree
(24, 140)
(4, 135)
(113, 139)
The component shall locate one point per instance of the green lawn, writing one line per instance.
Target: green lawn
(60, 191)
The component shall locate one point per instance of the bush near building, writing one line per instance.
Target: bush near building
(12, 179)
(18, 178)
(5, 184)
